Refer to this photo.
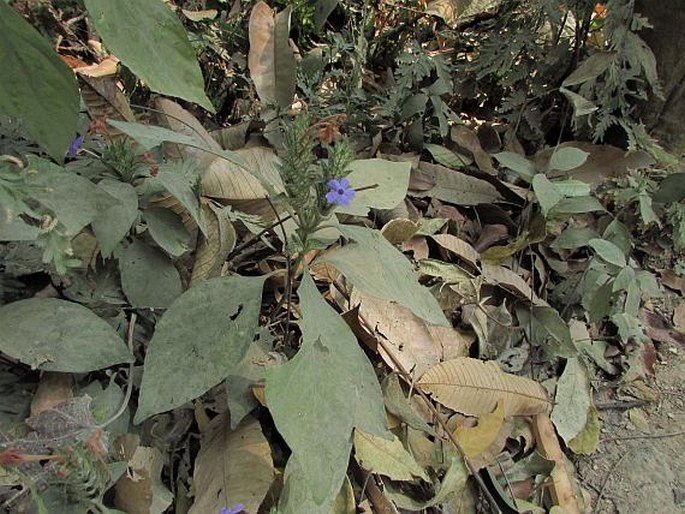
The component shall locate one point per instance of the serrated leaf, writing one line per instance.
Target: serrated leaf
(168, 231)
(390, 178)
(148, 278)
(271, 60)
(199, 341)
(317, 422)
(56, 335)
(387, 457)
(160, 54)
(37, 87)
(608, 251)
(113, 224)
(377, 268)
(233, 466)
(572, 400)
(474, 388)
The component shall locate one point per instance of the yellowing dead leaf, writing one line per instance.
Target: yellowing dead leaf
(474, 388)
(482, 443)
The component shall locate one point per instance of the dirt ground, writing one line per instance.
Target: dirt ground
(639, 467)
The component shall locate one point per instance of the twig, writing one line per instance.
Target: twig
(644, 436)
(608, 475)
(129, 383)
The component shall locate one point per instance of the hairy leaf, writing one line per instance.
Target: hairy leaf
(199, 341)
(56, 335)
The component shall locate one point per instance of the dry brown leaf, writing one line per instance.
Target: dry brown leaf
(213, 249)
(490, 236)
(415, 344)
(507, 279)
(418, 246)
(562, 488)
(140, 489)
(460, 248)
(485, 441)
(474, 388)
(399, 230)
(104, 100)
(659, 329)
(233, 466)
(53, 389)
(673, 281)
(468, 139)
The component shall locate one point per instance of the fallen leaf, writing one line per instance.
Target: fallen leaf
(485, 441)
(387, 457)
(53, 389)
(140, 490)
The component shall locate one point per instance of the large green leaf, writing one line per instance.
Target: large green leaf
(199, 341)
(113, 224)
(548, 330)
(572, 401)
(150, 40)
(74, 200)
(168, 231)
(390, 179)
(37, 87)
(548, 195)
(377, 268)
(316, 400)
(57, 335)
(148, 277)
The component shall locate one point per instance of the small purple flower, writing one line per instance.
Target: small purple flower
(340, 193)
(75, 145)
(236, 509)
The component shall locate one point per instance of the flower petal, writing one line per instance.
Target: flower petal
(334, 184)
(345, 183)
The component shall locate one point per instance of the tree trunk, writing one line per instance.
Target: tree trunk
(665, 118)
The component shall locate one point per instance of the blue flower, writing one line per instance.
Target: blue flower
(75, 145)
(340, 193)
(236, 509)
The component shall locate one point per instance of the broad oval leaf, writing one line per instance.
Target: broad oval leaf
(377, 268)
(316, 399)
(199, 341)
(474, 388)
(608, 251)
(37, 87)
(391, 180)
(567, 158)
(168, 230)
(113, 224)
(572, 400)
(160, 53)
(57, 335)
(148, 277)
(517, 163)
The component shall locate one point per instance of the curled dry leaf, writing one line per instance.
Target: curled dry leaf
(213, 249)
(474, 388)
(485, 441)
(460, 248)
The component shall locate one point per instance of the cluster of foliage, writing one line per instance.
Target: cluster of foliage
(173, 270)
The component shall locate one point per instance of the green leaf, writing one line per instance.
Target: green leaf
(516, 163)
(447, 157)
(159, 54)
(387, 457)
(148, 277)
(567, 158)
(590, 68)
(547, 329)
(57, 335)
(608, 251)
(150, 136)
(74, 200)
(576, 205)
(581, 105)
(199, 341)
(390, 178)
(572, 188)
(113, 224)
(316, 400)
(398, 405)
(377, 268)
(17, 230)
(671, 189)
(572, 238)
(179, 183)
(37, 87)
(456, 187)
(168, 231)
(548, 195)
(572, 400)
